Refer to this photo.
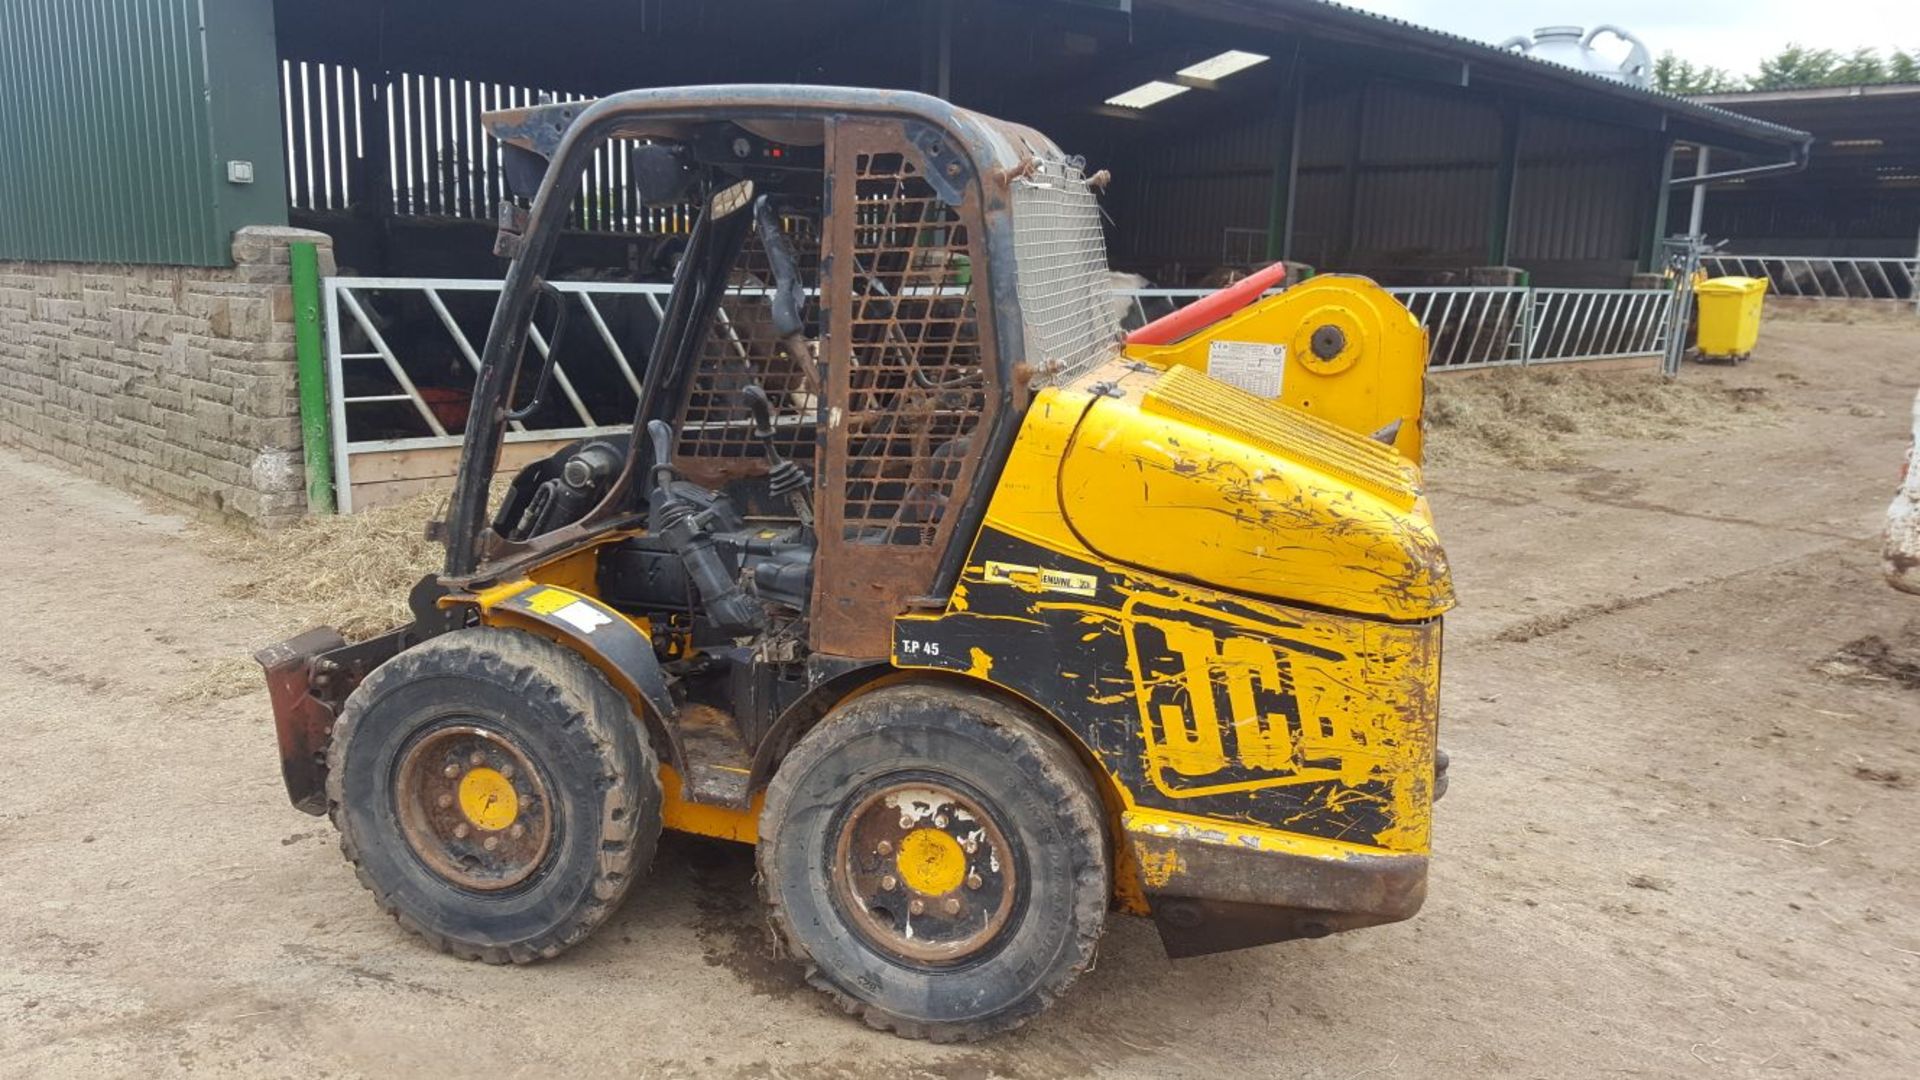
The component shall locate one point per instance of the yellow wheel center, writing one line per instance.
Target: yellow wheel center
(931, 862)
(488, 799)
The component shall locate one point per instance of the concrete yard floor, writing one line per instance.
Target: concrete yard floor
(1678, 842)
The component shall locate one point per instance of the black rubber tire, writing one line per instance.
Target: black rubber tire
(1034, 786)
(600, 772)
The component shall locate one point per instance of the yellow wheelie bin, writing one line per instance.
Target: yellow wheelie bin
(1729, 316)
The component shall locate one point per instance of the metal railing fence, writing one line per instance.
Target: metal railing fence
(1824, 278)
(402, 352)
(1596, 324)
(1470, 326)
(1473, 326)
(378, 401)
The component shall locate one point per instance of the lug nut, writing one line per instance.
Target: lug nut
(940, 820)
(450, 771)
(461, 830)
(952, 905)
(490, 843)
(477, 758)
(506, 769)
(885, 847)
(973, 882)
(917, 907)
(889, 883)
(444, 801)
(517, 831)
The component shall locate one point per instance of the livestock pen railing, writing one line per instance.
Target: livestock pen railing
(1821, 277)
(402, 354)
(1474, 326)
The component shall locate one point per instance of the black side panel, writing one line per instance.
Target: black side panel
(1121, 659)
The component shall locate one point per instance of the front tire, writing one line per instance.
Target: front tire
(494, 793)
(937, 860)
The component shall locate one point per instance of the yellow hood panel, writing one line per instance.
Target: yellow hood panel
(1203, 481)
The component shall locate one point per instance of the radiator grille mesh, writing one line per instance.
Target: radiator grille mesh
(1066, 291)
(1185, 394)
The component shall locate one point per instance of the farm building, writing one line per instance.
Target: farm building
(144, 275)
(1846, 226)
(1860, 192)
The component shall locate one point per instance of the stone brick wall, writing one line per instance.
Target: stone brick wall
(170, 381)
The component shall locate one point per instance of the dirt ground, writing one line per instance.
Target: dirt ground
(1681, 837)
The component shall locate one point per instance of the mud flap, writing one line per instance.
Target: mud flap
(303, 722)
(308, 677)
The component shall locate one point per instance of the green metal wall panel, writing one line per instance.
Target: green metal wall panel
(119, 120)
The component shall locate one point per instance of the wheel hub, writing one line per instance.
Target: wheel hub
(473, 808)
(488, 799)
(931, 862)
(925, 872)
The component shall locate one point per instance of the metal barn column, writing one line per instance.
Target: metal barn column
(1286, 167)
(1701, 162)
(1500, 222)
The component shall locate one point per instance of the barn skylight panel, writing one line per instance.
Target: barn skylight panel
(1147, 94)
(1214, 68)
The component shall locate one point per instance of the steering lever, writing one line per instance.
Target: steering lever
(789, 297)
(784, 478)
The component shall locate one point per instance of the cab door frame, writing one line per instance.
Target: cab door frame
(916, 393)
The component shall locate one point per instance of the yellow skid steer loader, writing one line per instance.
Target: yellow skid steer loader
(980, 623)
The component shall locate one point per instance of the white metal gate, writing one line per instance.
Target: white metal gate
(393, 433)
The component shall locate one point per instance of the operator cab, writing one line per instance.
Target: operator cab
(755, 344)
(708, 551)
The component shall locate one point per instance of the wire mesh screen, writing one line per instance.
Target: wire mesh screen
(916, 390)
(715, 440)
(1066, 291)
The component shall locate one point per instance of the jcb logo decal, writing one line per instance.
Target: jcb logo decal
(1218, 708)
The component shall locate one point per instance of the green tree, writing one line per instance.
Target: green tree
(1796, 67)
(1904, 66)
(1677, 76)
(1864, 66)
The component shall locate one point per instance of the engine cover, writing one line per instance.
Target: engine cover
(1213, 484)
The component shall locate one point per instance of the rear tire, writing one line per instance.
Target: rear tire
(494, 793)
(937, 860)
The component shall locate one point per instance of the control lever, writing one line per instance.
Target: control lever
(675, 520)
(783, 476)
(788, 296)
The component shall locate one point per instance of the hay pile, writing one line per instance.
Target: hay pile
(1529, 416)
(217, 680)
(351, 571)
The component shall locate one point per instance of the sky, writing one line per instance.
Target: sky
(1731, 34)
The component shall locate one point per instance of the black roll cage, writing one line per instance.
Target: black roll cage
(566, 135)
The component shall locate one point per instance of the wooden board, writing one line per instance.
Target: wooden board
(386, 477)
